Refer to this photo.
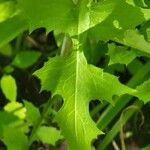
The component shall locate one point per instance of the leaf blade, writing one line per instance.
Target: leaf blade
(9, 87)
(78, 83)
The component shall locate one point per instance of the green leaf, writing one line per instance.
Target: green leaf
(134, 39)
(15, 139)
(146, 12)
(119, 20)
(143, 91)
(70, 16)
(25, 59)
(8, 69)
(129, 38)
(94, 50)
(148, 34)
(7, 9)
(9, 87)
(16, 108)
(10, 28)
(32, 114)
(8, 119)
(48, 135)
(6, 50)
(78, 83)
(147, 147)
(120, 54)
(140, 3)
(120, 26)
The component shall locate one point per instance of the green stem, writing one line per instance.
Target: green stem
(118, 125)
(123, 147)
(98, 108)
(17, 47)
(18, 43)
(39, 121)
(65, 50)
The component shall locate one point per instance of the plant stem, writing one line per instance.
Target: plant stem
(98, 108)
(116, 128)
(39, 121)
(17, 47)
(123, 147)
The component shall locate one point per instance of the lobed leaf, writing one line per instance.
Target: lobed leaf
(78, 83)
(120, 54)
(69, 16)
(143, 91)
(48, 135)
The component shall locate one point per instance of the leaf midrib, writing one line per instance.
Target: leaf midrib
(76, 92)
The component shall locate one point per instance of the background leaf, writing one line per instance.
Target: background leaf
(32, 114)
(10, 28)
(120, 54)
(25, 59)
(9, 87)
(143, 91)
(48, 135)
(7, 9)
(13, 137)
(16, 108)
